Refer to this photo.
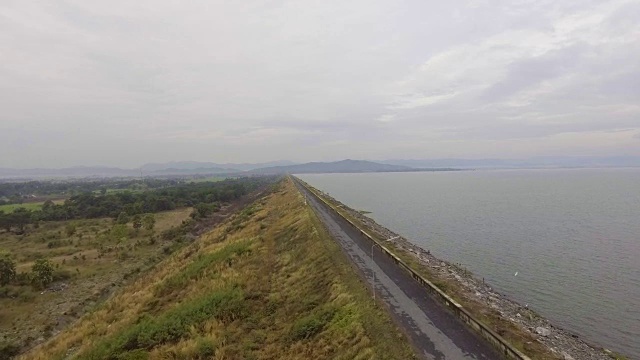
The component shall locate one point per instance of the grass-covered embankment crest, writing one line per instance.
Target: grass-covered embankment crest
(269, 283)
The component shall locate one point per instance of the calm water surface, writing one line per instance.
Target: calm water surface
(573, 236)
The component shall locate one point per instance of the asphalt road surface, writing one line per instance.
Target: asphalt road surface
(434, 331)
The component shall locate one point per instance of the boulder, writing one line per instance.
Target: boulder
(543, 331)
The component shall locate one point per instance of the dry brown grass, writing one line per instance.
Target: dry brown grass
(277, 287)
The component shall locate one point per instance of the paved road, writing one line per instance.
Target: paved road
(435, 333)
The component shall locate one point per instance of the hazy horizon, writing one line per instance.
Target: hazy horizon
(487, 163)
(122, 83)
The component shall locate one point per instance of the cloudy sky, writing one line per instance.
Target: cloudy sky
(123, 82)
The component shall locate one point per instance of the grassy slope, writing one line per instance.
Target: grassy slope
(269, 283)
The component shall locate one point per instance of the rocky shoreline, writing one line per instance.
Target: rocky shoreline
(561, 342)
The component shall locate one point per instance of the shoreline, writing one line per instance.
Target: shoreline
(561, 342)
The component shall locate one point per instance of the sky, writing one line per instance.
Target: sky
(123, 83)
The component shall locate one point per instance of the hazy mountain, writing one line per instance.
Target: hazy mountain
(196, 171)
(276, 167)
(252, 166)
(195, 165)
(179, 166)
(344, 166)
(98, 172)
(76, 171)
(538, 162)
(153, 169)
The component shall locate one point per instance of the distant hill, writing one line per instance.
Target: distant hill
(186, 168)
(75, 172)
(344, 166)
(182, 166)
(195, 171)
(176, 168)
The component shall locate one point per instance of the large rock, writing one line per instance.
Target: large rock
(543, 331)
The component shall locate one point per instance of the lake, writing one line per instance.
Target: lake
(572, 235)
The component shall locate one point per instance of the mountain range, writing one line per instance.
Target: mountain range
(185, 168)
(343, 166)
(225, 167)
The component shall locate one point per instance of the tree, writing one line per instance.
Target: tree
(20, 218)
(137, 222)
(149, 222)
(123, 218)
(5, 221)
(7, 270)
(42, 272)
(48, 205)
(119, 232)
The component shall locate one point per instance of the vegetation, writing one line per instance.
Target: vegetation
(7, 270)
(52, 274)
(21, 192)
(52, 271)
(32, 206)
(204, 196)
(42, 273)
(268, 283)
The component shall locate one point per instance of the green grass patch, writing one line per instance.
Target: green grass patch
(225, 305)
(311, 325)
(9, 208)
(208, 179)
(197, 268)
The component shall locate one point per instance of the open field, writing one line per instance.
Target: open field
(29, 206)
(209, 179)
(268, 283)
(90, 257)
(9, 208)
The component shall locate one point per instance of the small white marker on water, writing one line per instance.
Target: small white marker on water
(516, 274)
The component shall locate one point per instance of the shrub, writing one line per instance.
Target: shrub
(119, 232)
(148, 221)
(311, 325)
(206, 348)
(7, 270)
(42, 273)
(71, 229)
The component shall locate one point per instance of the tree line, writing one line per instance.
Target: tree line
(204, 197)
(18, 192)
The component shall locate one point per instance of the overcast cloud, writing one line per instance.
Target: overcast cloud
(127, 82)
